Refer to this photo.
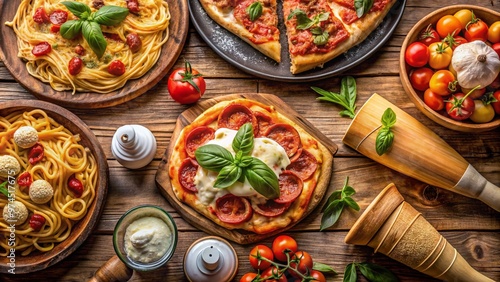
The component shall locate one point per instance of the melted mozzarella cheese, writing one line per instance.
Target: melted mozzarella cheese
(265, 149)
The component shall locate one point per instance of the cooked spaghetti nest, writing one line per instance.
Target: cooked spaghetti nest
(151, 25)
(63, 157)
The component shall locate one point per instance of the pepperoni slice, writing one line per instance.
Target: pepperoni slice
(286, 135)
(263, 121)
(234, 116)
(187, 172)
(197, 137)
(305, 165)
(271, 208)
(233, 209)
(290, 187)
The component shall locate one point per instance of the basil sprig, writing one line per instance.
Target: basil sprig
(346, 98)
(231, 169)
(372, 272)
(335, 205)
(385, 136)
(320, 37)
(254, 10)
(3, 189)
(89, 22)
(362, 7)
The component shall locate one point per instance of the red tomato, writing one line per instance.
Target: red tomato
(460, 107)
(273, 272)
(443, 82)
(417, 54)
(55, 28)
(302, 261)
(58, 17)
(116, 68)
(75, 186)
(186, 85)
(40, 16)
(248, 277)
(233, 209)
(429, 36)
(448, 24)
(42, 48)
(36, 222)
(36, 153)
(317, 275)
(496, 105)
(256, 255)
(284, 244)
(75, 65)
(433, 100)
(454, 41)
(476, 29)
(24, 179)
(420, 78)
(496, 47)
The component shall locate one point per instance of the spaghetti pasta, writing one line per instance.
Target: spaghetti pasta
(150, 24)
(64, 157)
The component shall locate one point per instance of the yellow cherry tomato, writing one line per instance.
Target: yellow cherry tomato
(494, 32)
(464, 16)
(440, 55)
(482, 113)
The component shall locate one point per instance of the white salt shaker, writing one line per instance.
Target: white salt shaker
(133, 146)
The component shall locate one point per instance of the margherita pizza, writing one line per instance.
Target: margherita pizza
(245, 166)
(317, 30)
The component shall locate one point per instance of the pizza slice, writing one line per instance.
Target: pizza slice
(254, 21)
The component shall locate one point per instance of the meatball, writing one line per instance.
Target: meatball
(41, 191)
(26, 136)
(15, 213)
(9, 166)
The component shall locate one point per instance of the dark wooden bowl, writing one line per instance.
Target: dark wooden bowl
(178, 30)
(487, 15)
(37, 260)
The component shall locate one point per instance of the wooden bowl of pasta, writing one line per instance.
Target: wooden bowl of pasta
(71, 151)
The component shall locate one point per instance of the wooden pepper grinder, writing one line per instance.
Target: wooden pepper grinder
(133, 146)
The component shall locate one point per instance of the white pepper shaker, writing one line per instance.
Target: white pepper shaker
(133, 146)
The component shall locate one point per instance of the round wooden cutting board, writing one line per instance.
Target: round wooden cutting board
(207, 225)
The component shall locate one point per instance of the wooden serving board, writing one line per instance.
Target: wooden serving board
(37, 260)
(207, 225)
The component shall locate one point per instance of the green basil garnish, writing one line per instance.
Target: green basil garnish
(376, 273)
(71, 29)
(320, 37)
(346, 98)
(3, 189)
(262, 179)
(362, 7)
(243, 141)
(350, 274)
(254, 10)
(213, 157)
(336, 203)
(385, 136)
(92, 33)
(228, 175)
(78, 9)
(110, 15)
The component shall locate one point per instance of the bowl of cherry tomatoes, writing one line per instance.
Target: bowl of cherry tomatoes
(432, 83)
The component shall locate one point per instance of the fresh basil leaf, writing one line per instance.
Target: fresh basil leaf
(384, 140)
(110, 15)
(376, 273)
(349, 90)
(228, 175)
(362, 7)
(323, 267)
(71, 29)
(350, 274)
(348, 191)
(237, 157)
(254, 10)
(334, 196)
(303, 22)
(331, 214)
(243, 141)
(350, 202)
(245, 161)
(93, 35)
(316, 30)
(297, 13)
(262, 179)
(323, 17)
(3, 189)
(336, 98)
(213, 157)
(388, 118)
(78, 9)
(321, 39)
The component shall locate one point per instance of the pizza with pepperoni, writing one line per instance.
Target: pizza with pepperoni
(245, 166)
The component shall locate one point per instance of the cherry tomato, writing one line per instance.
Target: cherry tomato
(476, 93)
(482, 112)
(494, 32)
(448, 24)
(55, 28)
(420, 78)
(433, 100)
(186, 85)
(454, 41)
(317, 275)
(496, 47)
(460, 107)
(496, 105)
(116, 68)
(75, 65)
(24, 179)
(40, 49)
(429, 35)
(284, 244)
(417, 54)
(134, 42)
(35, 153)
(476, 30)
(258, 252)
(58, 17)
(40, 16)
(464, 16)
(36, 222)
(443, 82)
(440, 55)
(75, 186)
(303, 261)
(273, 272)
(248, 277)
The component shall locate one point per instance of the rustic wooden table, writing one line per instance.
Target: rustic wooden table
(469, 225)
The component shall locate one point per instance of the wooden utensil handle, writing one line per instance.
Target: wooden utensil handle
(114, 270)
(491, 196)
(474, 185)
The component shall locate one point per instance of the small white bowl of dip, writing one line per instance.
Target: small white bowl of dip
(145, 237)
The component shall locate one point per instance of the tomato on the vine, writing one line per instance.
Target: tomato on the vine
(448, 24)
(443, 82)
(284, 244)
(476, 29)
(496, 105)
(273, 272)
(417, 54)
(464, 16)
(256, 255)
(459, 106)
(318, 276)
(302, 261)
(419, 78)
(248, 277)
(429, 35)
(186, 85)
(494, 32)
(440, 55)
(454, 40)
(433, 100)
(483, 112)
